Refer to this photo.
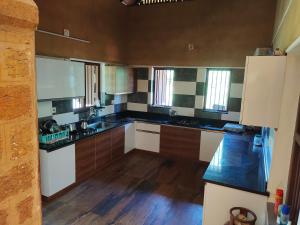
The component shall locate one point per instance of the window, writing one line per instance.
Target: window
(217, 90)
(163, 87)
(92, 87)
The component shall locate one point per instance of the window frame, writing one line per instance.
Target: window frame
(154, 87)
(206, 89)
(86, 108)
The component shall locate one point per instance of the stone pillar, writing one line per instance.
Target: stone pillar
(20, 200)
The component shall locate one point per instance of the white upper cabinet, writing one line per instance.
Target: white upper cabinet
(118, 80)
(59, 78)
(263, 88)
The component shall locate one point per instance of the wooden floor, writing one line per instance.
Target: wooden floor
(142, 189)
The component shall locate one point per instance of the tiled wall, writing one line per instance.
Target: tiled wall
(64, 108)
(188, 93)
(188, 96)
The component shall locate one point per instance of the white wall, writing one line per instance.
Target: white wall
(284, 136)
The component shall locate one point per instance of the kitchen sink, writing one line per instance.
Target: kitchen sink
(101, 125)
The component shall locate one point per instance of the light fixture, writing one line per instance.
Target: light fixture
(129, 2)
(148, 2)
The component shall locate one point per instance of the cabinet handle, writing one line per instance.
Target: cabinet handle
(147, 131)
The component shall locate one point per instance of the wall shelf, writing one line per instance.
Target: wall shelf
(63, 36)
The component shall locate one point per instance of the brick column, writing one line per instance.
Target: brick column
(19, 168)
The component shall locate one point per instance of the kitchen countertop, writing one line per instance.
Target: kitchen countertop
(236, 164)
(121, 119)
(77, 137)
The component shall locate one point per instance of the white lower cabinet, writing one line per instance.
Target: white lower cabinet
(209, 144)
(218, 200)
(147, 137)
(57, 170)
(129, 137)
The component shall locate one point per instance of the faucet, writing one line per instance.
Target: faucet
(92, 113)
(172, 112)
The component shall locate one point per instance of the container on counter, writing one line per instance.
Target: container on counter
(285, 215)
(278, 200)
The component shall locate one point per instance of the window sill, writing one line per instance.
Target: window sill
(86, 109)
(215, 111)
(161, 106)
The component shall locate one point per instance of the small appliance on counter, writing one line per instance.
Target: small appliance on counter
(72, 127)
(258, 140)
(234, 128)
(84, 124)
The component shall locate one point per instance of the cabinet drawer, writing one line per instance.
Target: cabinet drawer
(147, 141)
(148, 127)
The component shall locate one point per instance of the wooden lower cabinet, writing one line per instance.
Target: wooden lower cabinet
(103, 149)
(85, 158)
(118, 142)
(180, 142)
(98, 151)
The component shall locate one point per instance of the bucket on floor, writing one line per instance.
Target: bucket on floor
(242, 216)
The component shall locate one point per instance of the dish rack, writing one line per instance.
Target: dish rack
(52, 138)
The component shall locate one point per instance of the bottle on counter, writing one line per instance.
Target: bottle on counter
(285, 215)
(279, 214)
(278, 200)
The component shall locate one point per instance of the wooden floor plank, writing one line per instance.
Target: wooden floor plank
(140, 189)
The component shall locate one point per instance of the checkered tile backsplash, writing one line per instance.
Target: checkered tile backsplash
(188, 94)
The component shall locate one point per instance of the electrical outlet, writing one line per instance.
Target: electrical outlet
(54, 110)
(191, 47)
(66, 32)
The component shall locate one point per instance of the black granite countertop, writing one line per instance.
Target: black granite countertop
(121, 119)
(77, 137)
(192, 122)
(237, 164)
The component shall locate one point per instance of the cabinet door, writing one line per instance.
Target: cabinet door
(180, 142)
(110, 79)
(210, 142)
(118, 142)
(59, 78)
(263, 88)
(57, 170)
(147, 137)
(77, 78)
(129, 137)
(121, 80)
(85, 158)
(103, 149)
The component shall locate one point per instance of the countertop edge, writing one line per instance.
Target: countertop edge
(125, 123)
(267, 194)
(82, 138)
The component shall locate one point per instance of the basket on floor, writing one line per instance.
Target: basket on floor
(242, 216)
